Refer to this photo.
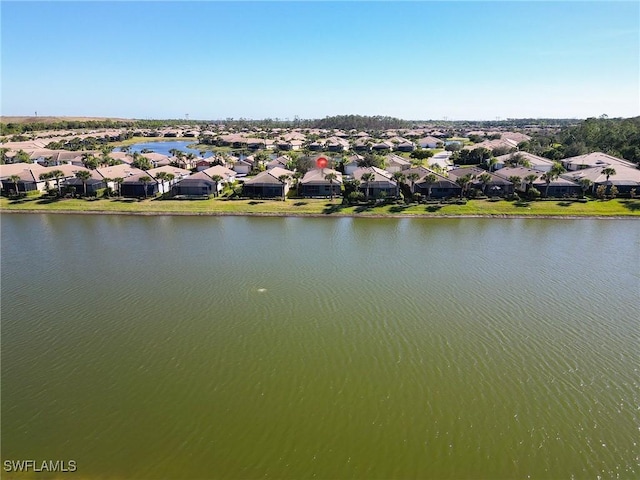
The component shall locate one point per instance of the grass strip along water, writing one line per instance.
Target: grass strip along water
(325, 207)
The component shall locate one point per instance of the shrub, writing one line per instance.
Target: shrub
(601, 192)
(533, 193)
(355, 196)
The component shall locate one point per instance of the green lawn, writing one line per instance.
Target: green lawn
(617, 207)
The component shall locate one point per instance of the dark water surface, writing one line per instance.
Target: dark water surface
(211, 347)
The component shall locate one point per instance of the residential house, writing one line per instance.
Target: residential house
(405, 146)
(113, 172)
(395, 163)
(166, 185)
(526, 159)
(430, 142)
(523, 173)
(382, 183)
(625, 179)
(133, 186)
(68, 172)
(91, 186)
(256, 143)
(316, 146)
(228, 175)
(497, 186)
(42, 156)
(363, 144)
(560, 187)
(500, 143)
(315, 184)
(294, 136)
(122, 157)
(442, 160)
(287, 145)
(70, 157)
(203, 164)
(282, 161)
(29, 174)
(385, 145)
(196, 185)
(593, 160)
(515, 137)
(242, 167)
(336, 144)
(268, 184)
(159, 160)
(443, 187)
(351, 163)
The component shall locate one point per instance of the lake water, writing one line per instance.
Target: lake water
(164, 147)
(236, 347)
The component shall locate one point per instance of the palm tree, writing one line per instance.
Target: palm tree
(105, 159)
(57, 175)
(3, 155)
(485, 178)
(89, 161)
(464, 182)
(399, 177)
(162, 176)
(516, 180)
(283, 179)
(217, 179)
(551, 175)
(368, 178)
(430, 179)
(118, 181)
(84, 176)
(585, 183)
(169, 178)
(491, 162)
(46, 176)
(530, 179)
(331, 177)
(412, 177)
(15, 179)
(608, 171)
(22, 157)
(141, 162)
(106, 181)
(145, 180)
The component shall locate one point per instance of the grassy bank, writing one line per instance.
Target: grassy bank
(559, 208)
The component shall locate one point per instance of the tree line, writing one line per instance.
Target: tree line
(619, 137)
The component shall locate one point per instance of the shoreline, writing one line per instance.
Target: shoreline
(319, 215)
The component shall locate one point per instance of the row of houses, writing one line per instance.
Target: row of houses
(510, 174)
(330, 144)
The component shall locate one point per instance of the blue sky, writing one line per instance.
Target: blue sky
(413, 60)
